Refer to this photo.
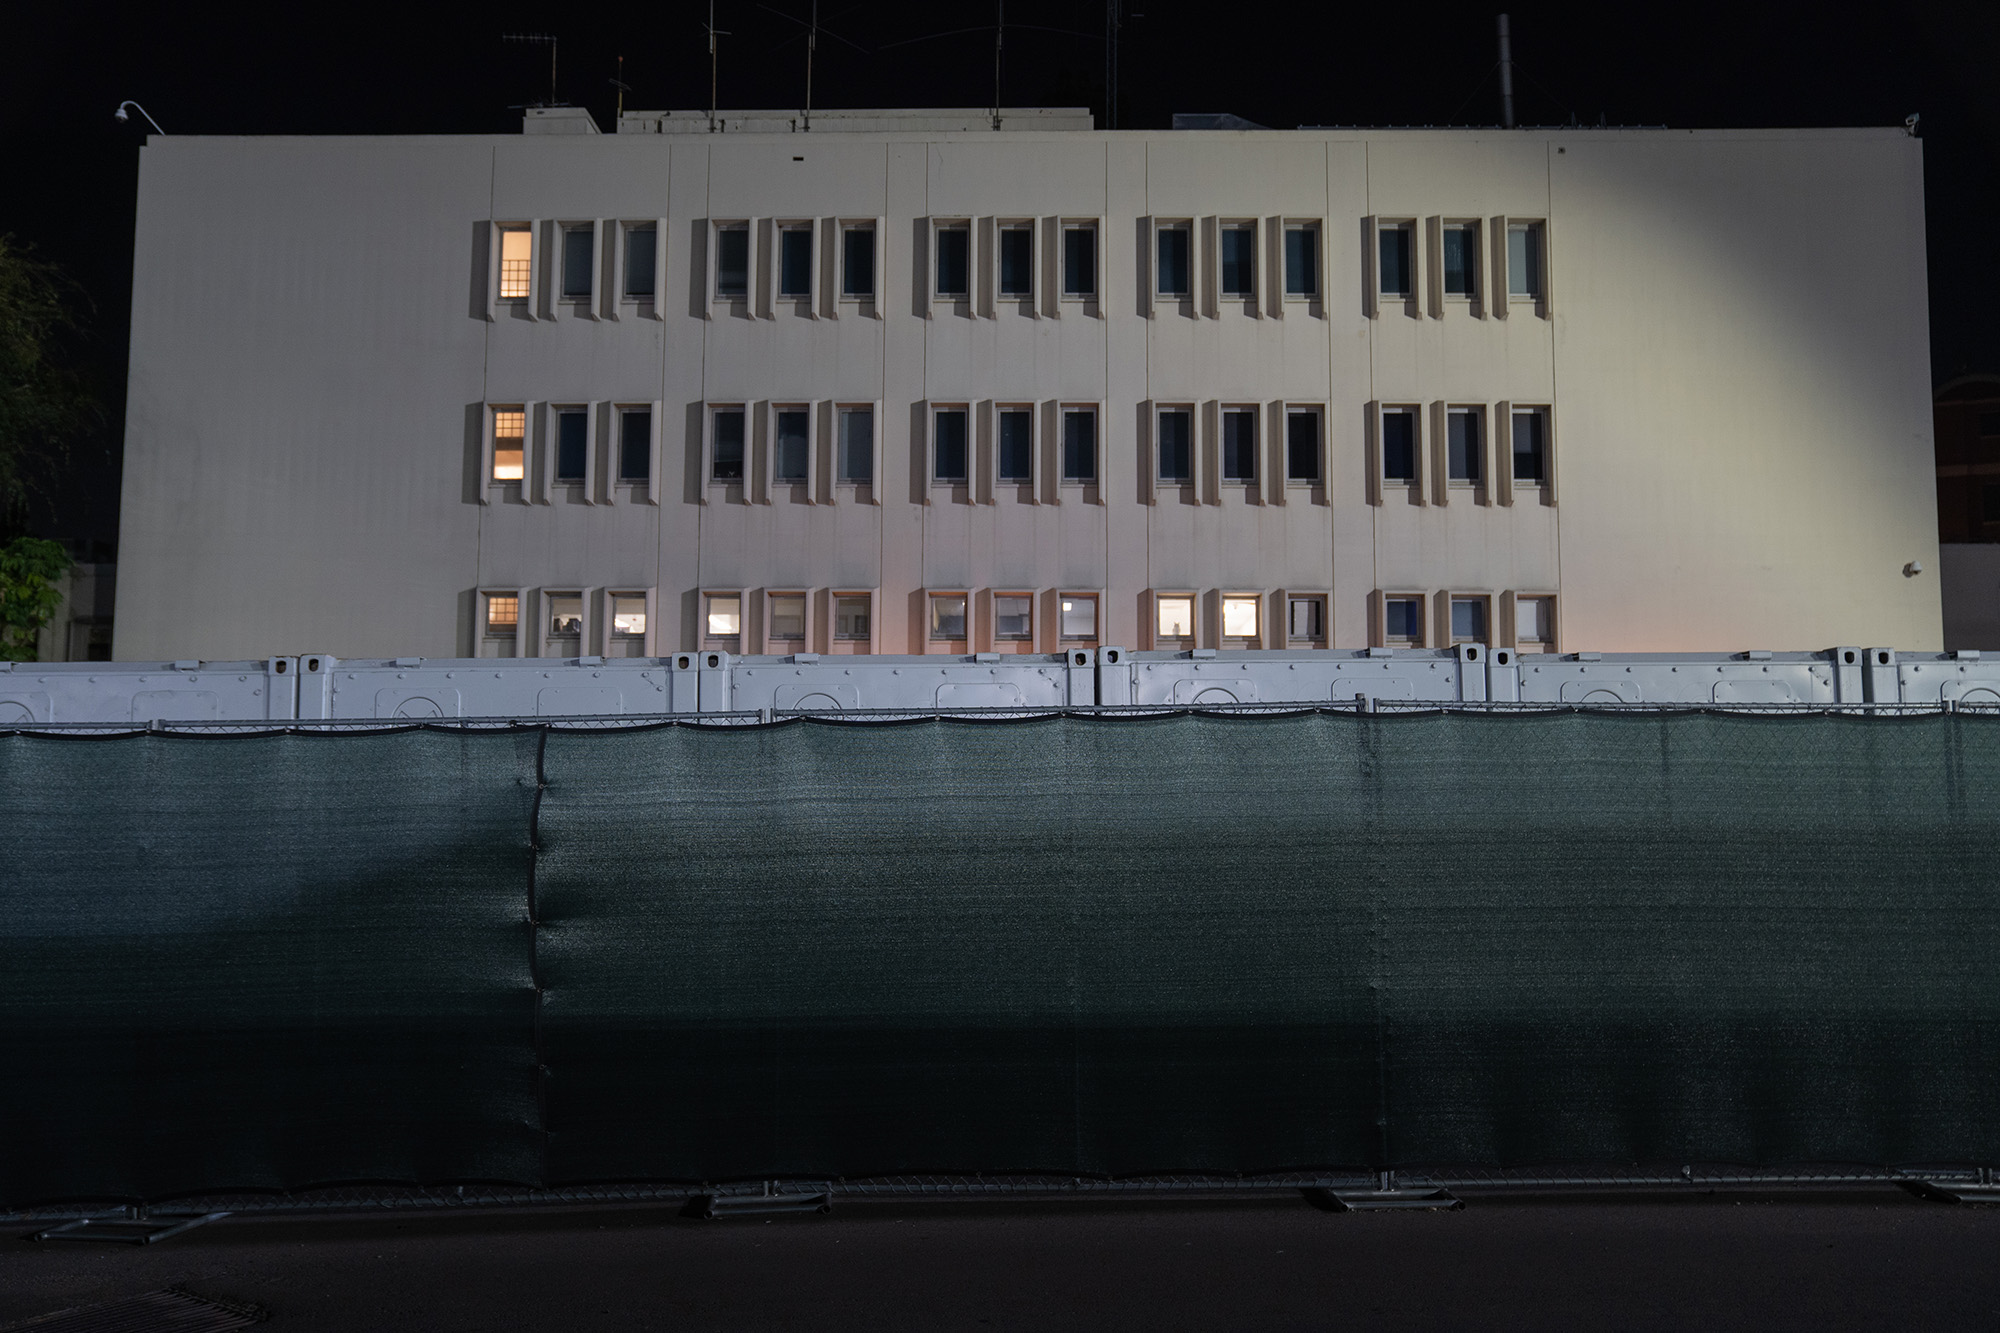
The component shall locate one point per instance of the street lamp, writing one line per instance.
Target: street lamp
(121, 115)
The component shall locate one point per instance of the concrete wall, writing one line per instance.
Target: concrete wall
(1733, 347)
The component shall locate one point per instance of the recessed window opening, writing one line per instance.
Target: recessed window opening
(1078, 614)
(572, 443)
(635, 444)
(793, 443)
(565, 615)
(1531, 445)
(850, 618)
(1080, 260)
(795, 264)
(1240, 616)
(1016, 445)
(640, 250)
(1524, 260)
(1176, 448)
(628, 615)
(1989, 503)
(578, 243)
(788, 616)
(1239, 259)
(1462, 447)
(857, 445)
(1468, 620)
(727, 464)
(517, 247)
(503, 613)
(1403, 620)
(948, 444)
(724, 616)
(1461, 259)
(510, 443)
(1079, 446)
(1534, 621)
(1399, 444)
(947, 616)
(1239, 445)
(1305, 620)
(1013, 617)
(1017, 261)
(732, 261)
(1302, 261)
(1394, 250)
(954, 266)
(857, 262)
(1173, 617)
(1302, 446)
(1173, 259)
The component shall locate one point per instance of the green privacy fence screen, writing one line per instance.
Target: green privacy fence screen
(1081, 945)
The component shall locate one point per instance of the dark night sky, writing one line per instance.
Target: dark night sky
(71, 170)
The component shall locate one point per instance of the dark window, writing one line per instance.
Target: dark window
(728, 463)
(948, 445)
(1176, 445)
(572, 444)
(1079, 446)
(635, 446)
(1173, 247)
(1530, 446)
(857, 261)
(641, 246)
(1461, 260)
(1080, 261)
(1239, 446)
(1307, 620)
(793, 450)
(576, 263)
(1017, 446)
(953, 261)
(1989, 423)
(1017, 261)
(795, 262)
(1403, 618)
(1524, 260)
(1399, 446)
(1395, 254)
(857, 445)
(732, 261)
(1462, 446)
(1468, 621)
(1302, 446)
(1302, 261)
(1989, 503)
(1239, 261)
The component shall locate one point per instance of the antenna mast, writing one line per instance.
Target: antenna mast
(539, 37)
(1506, 75)
(1111, 24)
(712, 35)
(812, 45)
(999, 37)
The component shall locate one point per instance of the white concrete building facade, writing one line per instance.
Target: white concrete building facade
(906, 383)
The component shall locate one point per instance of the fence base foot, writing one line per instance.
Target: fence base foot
(126, 1230)
(1345, 1201)
(708, 1206)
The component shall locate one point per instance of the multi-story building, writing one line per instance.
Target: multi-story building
(949, 382)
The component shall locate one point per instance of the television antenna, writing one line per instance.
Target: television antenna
(812, 32)
(713, 33)
(622, 87)
(536, 38)
(999, 29)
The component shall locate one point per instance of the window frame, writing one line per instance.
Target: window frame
(1545, 413)
(1095, 596)
(1002, 229)
(1186, 229)
(1316, 228)
(834, 597)
(1030, 410)
(1253, 411)
(546, 636)
(492, 450)
(1415, 413)
(962, 226)
(1475, 413)
(710, 411)
(612, 636)
(717, 228)
(841, 408)
(963, 411)
(1162, 643)
(1449, 602)
(559, 413)
(705, 610)
(1319, 597)
(1095, 226)
(1257, 601)
(1317, 412)
(805, 408)
(1514, 601)
(1251, 228)
(592, 262)
(1538, 249)
(1192, 410)
(1095, 411)
(876, 230)
(1379, 630)
(933, 636)
(628, 232)
(770, 635)
(525, 297)
(514, 637)
(1407, 226)
(781, 228)
(993, 601)
(1475, 228)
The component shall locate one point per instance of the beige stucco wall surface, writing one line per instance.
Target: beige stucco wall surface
(1733, 348)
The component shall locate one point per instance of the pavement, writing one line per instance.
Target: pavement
(1870, 1258)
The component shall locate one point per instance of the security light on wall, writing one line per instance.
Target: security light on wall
(121, 115)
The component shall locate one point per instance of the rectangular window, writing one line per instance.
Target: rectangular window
(857, 262)
(641, 246)
(1531, 445)
(948, 444)
(1461, 259)
(635, 445)
(1240, 616)
(948, 615)
(1017, 445)
(1534, 622)
(1017, 261)
(724, 615)
(1305, 620)
(857, 445)
(732, 261)
(1172, 244)
(788, 616)
(1468, 620)
(565, 615)
(1013, 617)
(1239, 445)
(503, 614)
(850, 618)
(1080, 260)
(1403, 621)
(1989, 503)
(1173, 617)
(954, 260)
(1302, 446)
(727, 464)
(1079, 617)
(1080, 446)
(1524, 260)
(1302, 261)
(1462, 448)
(1394, 269)
(517, 252)
(1239, 260)
(572, 443)
(795, 262)
(1399, 444)
(577, 245)
(510, 443)
(1176, 447)
(793, 444)
(628, 615)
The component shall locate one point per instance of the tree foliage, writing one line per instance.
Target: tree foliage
(31, 572)
(44, 400)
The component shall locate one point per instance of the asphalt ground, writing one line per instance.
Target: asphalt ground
(1863, 1258)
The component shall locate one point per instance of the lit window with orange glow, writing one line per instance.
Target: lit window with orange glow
(1240, 617)
(510, 443)
(503, 614)
(1174, 618)
(517, 248)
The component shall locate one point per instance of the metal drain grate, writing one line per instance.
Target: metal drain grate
(170, 1310)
